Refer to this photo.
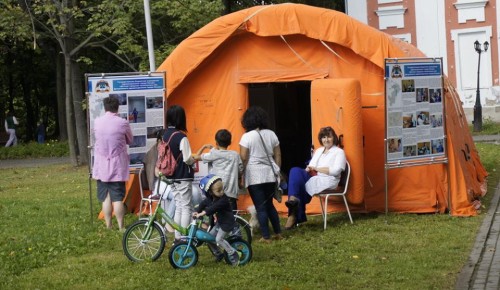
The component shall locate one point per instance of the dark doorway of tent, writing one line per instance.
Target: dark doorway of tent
(289, 109)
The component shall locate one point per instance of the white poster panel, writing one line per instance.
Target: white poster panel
(414, 110)
(141, 103)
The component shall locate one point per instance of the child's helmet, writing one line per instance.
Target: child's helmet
(207, 181)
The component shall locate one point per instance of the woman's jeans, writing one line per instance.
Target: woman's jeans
(262, 197)
(297, 187)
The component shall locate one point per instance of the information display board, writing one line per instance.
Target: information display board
(415, 129)
(141, 97)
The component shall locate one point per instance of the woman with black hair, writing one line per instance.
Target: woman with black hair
(181, 149)
(259, 146)
(323, 172)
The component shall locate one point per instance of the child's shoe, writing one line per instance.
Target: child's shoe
(234, 258)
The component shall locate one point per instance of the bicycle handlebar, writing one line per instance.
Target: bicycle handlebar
(171, 181)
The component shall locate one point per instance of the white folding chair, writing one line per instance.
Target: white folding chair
(341, 190)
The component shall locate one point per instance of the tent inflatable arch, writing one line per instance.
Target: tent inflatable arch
(311, 67)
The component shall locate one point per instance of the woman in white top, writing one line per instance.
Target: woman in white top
(258, 146)
(323, 172)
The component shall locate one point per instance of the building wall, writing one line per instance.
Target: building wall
(447, 29)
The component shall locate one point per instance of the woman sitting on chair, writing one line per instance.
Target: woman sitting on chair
(323, 172)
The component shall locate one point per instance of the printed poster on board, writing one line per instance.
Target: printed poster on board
(414, 109)
(141, 104)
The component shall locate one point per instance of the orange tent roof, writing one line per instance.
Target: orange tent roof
(209, 73)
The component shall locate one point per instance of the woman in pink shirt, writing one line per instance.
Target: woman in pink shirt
(111, 160)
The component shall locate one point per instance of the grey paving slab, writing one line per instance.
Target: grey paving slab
(482, 269)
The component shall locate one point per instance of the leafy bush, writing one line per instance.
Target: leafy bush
(52, 148)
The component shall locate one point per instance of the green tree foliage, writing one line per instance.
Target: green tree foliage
(22, 90)
(57, 41)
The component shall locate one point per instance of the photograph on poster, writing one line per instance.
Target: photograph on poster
(435, 95)
(153, 131)
(422, 118)
(137, 158)
(436, 120)
(409, 121)
(422, 95)
(136, 109)
(394, 145)
(408, 86)
(154, 102)
(409, 151)
(122, 98)
(437, 146)
(139, 141)
(424, 148)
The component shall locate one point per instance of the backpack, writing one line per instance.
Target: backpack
(166, 162)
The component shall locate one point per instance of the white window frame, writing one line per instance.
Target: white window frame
(391, 16)
(470, 10)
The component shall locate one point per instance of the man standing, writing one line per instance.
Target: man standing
(10, 127)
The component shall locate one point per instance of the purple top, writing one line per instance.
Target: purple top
(111, 160)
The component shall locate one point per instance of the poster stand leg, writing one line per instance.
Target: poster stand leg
(386, 183)
(90, 200)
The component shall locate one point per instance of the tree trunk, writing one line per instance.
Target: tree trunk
(30, 118)
(61, 111)
(70, 121)
(80, 116)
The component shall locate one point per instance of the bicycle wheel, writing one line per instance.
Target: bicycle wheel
(177, 258)
(241, 246)
(244, 229)
(142, 243)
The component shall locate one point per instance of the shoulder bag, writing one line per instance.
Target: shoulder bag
(278, 194)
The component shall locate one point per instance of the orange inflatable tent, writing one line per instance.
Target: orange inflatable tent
(311, 67)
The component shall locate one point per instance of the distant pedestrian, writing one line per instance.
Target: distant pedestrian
(40, 132)
(10, 127)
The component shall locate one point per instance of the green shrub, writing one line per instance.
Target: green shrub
(53, 148)
(489, 128)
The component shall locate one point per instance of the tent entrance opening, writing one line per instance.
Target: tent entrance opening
(289, 109)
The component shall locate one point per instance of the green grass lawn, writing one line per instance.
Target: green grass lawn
(49, 242)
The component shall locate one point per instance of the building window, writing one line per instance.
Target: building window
(391, 16)
(470, 10)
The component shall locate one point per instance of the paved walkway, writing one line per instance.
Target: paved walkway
(487, 138)
(20, 163)
(482, 270)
